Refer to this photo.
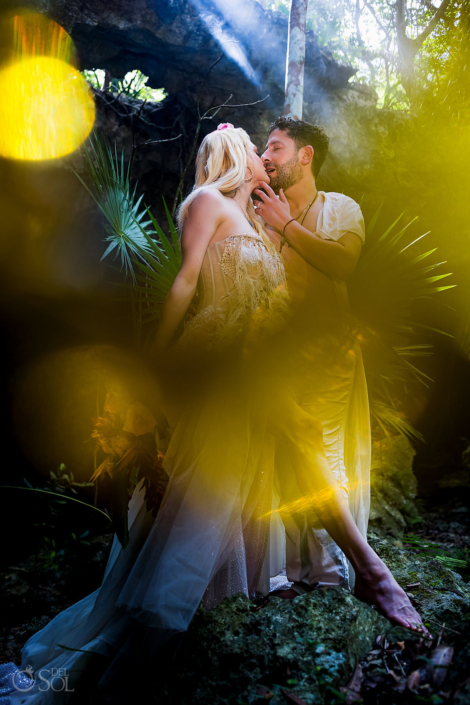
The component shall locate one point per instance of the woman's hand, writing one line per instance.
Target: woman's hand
(274, 211)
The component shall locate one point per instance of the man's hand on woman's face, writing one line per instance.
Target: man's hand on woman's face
(274, 211)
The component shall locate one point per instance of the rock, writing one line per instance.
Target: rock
(175, 43)
(442, 595)
(306, 645)
(235, 654)
(393, 486)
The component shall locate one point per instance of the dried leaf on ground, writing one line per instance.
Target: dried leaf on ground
(413, 680)
(291, 698)
(441, 658)
(353, 689)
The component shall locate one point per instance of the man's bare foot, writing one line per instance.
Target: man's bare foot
(378, 587)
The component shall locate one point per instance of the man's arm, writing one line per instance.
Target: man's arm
(336, 258)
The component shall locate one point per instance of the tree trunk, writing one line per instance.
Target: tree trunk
(409, 48)
(295, 63)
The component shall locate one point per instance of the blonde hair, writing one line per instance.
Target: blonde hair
(221, 163)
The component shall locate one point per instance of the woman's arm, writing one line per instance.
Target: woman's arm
(204, 216)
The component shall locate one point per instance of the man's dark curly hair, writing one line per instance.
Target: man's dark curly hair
(303, 134)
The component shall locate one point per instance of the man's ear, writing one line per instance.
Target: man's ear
(306, 155)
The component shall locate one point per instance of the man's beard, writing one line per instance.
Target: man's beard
(287, 175)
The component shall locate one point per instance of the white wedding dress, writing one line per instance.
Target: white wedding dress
(210, 538)
(218, 531)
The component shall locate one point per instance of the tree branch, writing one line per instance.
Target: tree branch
(374, 15)
(365, 53)
(421, 38)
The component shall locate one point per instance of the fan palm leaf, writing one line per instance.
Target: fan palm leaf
(108, 183)
(390, 276)
(145, 252)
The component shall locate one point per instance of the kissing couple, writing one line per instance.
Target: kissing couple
(265, 396)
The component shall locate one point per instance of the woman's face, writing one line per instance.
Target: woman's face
(256, 165)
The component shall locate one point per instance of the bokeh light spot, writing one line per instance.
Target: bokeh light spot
(47, 109)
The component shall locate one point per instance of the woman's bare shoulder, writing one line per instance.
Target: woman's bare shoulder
(205, 214)
(208, 197)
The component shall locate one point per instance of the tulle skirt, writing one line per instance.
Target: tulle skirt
(215, 533)
(210, 538)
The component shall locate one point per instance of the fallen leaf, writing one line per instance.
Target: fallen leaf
(374, 680)
(264, 693)
(291, 698)
(412, 681)
(441, 658)
(396, 676)
(353, 689)
(399, 686)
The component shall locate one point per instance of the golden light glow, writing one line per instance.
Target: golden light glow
(305, 503)
(47, 108)
(37, 35)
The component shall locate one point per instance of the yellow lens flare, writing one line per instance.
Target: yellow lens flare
(47, 109)
(37, 35)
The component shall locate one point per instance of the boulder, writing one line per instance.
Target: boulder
(393, 486)
(307, 648)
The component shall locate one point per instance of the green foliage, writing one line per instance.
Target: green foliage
(365, 35)
(430, 550)
(158, 269)
(110, 188)
(54, 503)
(152, 263)
(282, 7)
(133, 85)
(390, 275)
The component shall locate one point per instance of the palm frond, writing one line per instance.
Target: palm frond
(391, 274)
(134, 236)
(109, 186)
(390, 420)
(155, 271)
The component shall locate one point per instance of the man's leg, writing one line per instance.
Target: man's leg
(313, 559)
(321, 490)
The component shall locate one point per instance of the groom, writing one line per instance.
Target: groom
(320, 236)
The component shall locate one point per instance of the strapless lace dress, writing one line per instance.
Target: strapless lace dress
(241, 277)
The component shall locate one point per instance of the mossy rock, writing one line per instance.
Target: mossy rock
(441, 595)
(307, 645)
(393, 486)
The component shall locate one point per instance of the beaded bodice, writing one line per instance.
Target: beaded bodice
(238, 276)
(219, 268)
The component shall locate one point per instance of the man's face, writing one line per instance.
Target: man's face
(281, 161)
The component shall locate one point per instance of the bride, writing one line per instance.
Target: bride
(210, 538)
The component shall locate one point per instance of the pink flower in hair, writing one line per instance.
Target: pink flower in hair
(224, 125)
